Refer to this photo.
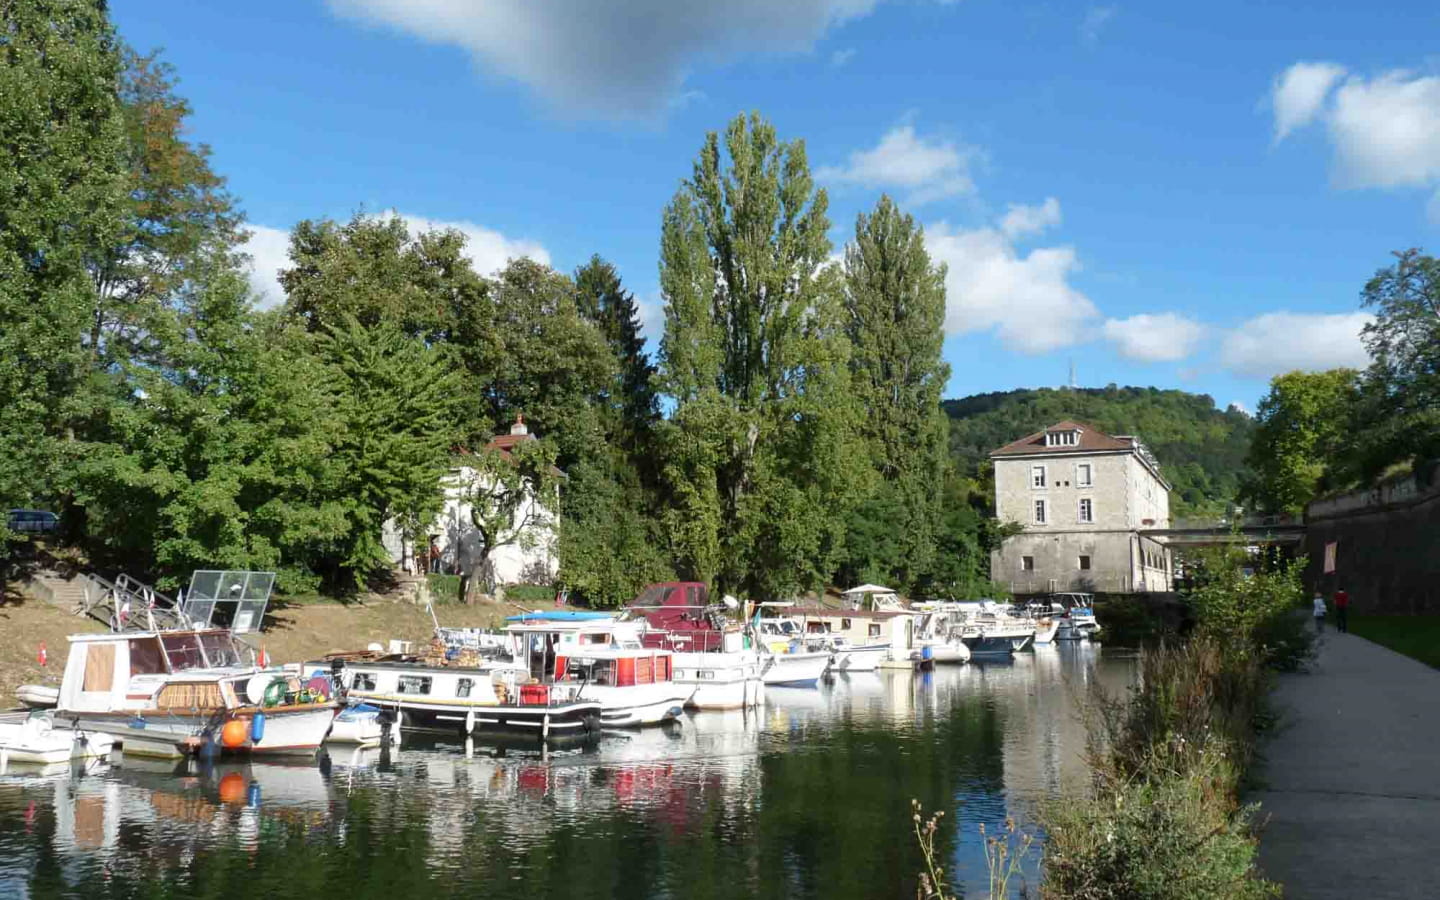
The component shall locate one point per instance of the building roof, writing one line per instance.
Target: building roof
(1092, 440)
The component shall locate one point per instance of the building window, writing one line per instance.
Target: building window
(1087, 510)
(1083, 475)
(1039, 512)
(1037, 476)
(1027, 563)
(1084, 563)
(1062, 438)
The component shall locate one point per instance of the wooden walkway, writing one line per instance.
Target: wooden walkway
(1351, 783)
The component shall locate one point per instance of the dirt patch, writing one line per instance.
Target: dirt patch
(25, 624)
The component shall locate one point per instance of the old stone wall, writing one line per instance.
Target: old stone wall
(1387, 546)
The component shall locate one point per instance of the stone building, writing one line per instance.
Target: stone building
(1084, 500)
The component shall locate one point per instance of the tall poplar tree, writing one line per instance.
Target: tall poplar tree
(760, 452)
(894, 315)
(62, 192)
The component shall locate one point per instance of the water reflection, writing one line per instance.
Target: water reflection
(807, 797)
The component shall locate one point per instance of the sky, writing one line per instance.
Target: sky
(1178, 195)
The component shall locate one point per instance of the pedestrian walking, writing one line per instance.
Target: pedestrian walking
(1319, 613)
(1342, 611)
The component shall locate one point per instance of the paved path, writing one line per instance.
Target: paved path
(1352, 780)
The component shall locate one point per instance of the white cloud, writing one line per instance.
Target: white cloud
(1386, 130)
(269, 251)
(1298, 93)
(1236, 404)
(1095, 19)
(841, 57)
(1022, 221)
(1026, 298)
(487, 250)
(1275, 343)
(1163, 337)
(930, 170)
(606, 58)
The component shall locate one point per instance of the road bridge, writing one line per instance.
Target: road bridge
(1249, 530)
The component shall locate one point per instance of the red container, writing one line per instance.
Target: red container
(534, 694)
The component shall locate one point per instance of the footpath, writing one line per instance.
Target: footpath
(1351, 781)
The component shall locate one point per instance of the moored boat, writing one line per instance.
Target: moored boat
(37, 741)
(38, 696)
(712, 655)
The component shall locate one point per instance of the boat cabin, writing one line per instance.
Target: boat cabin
(168, 669)
(680, 616)
(858, 627)
(872, 598)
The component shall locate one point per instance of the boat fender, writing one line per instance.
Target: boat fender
(257, 728)
(275, 692)
(232, 735)
(252, 796)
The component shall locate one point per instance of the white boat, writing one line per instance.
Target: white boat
(865, 658)
(359, 724)
(1076, 613)
(185, 692)
(38, 696)
(878, 633)
(986, 628)
(797, 668)
(940, 639)
(1046, 630)
(36, 740)
(720, 680)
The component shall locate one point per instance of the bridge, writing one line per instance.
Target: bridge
(1247, 530)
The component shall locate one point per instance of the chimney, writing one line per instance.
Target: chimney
(519, 427)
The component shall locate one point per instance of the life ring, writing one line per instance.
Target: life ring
(275, 692)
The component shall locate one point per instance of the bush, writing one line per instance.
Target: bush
(529, 593)
(443, 588)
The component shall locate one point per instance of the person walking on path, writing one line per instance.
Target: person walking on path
(1319, 613)
(1342, 610)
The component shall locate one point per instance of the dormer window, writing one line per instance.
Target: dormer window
(1067, 438)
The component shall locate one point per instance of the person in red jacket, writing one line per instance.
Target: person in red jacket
(1342, 607)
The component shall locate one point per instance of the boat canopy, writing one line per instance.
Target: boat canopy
(559, 615)
(868, 589)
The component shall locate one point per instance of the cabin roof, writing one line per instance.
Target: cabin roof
(829, 612)
(867, 589)
(134, 635)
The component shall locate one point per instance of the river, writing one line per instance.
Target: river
(809, 797)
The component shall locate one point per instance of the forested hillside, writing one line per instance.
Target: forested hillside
(1201, 449)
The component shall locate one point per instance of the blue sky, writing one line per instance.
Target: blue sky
(1183, 195)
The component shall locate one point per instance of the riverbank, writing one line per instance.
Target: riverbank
(1349, 795)
(294, 632)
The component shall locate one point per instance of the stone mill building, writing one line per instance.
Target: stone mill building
(1084, 500)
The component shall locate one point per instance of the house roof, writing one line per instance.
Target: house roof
(1092, 440)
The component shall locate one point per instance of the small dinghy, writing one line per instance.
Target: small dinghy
(38, 696)
(359, 724)
(37, 740)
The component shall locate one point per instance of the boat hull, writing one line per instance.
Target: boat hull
(860, 659)
(547, 721)
(794, 669)
(289, 731)
(719, 680)
(29, 742)
(1047, 634)
(38, 696)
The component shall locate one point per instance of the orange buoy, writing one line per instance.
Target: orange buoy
(234, 733)
(232, 789)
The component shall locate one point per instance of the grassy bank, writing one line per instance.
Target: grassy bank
(1418, 637)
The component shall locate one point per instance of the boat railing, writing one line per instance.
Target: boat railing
(128, 604)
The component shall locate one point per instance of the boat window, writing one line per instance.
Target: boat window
(651, 596)
(413, 684)
(590, 671)
(146, 657)
(874, 629)
(183, 651)
(364, 681)
(845, 624)
(463, 686)
(692, 596)
(99, 668)
(220, 650)
(644, 670)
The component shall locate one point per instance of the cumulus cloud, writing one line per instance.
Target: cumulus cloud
(1384, 131)
(1298, 93)
(1022, 221)
(841, 57)
(1026, 298)
(607, 58)
(269, 251)
(1095, 19)
(930, 170)
(1274, 343)
(487, 250)
(1163, 337)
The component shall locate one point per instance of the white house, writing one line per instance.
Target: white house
(452, 537)
(1084, 500)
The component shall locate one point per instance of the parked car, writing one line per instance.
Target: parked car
(32, 521)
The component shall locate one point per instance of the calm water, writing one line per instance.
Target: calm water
(808, 798)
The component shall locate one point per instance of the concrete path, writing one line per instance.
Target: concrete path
(1351, 783)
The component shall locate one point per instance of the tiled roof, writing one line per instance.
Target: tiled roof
(1092, 440)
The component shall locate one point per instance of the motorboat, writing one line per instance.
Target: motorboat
(360, 724)
(186, 692)
(987, 628)
(1047, 621)
(1076, 612)
(860, 639)
(940, 640)
(712, 654)
(788, 657)
(37, 741)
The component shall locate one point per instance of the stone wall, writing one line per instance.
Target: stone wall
(1387, 545)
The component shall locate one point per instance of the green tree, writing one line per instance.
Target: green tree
(62, 197)
(397, 401)
(608, 544)
(1303, 427)
(1399, 415)
(631, 399)
(895, 312)
(761, 453)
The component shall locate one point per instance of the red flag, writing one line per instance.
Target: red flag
(42, 657)
(264, 659)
